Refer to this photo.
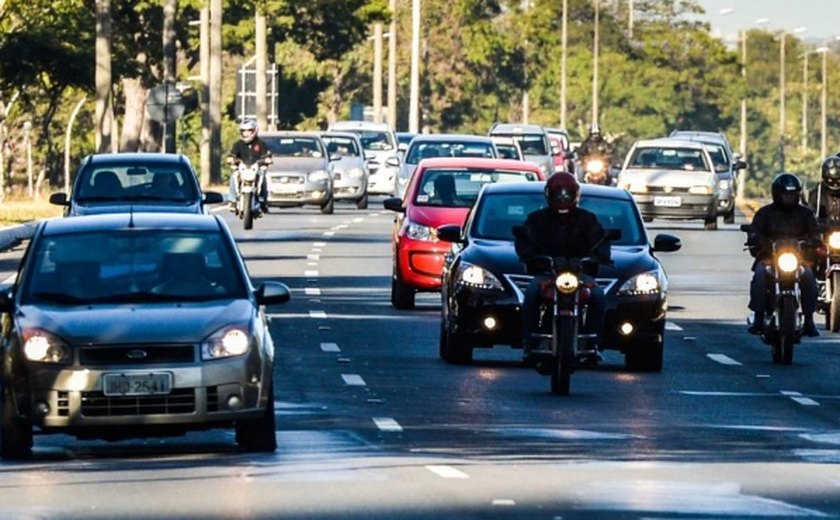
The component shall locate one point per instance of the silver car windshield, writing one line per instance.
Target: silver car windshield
(666, 158)
(342, 146)
(132, 266)
(430, 149)
(307, 147)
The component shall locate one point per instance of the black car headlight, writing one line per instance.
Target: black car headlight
(643, 283)
(479, 278)
(226, 342)
(43, 347)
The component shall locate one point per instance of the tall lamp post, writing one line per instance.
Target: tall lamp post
(823, 100)
(414, 99)
(595, 65)
(563, 38)
(782, 130)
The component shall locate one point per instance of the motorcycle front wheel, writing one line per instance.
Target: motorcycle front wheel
(833, 315)
(787, 332)
(564, 337)
(247, 211)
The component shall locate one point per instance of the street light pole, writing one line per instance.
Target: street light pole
(782, 101)
(805, 100)
(414, 100)
(563, 35)
(377, 72)
(595, 65)
(629, 20)
(743, 143)
(392, 67)
(823, 101)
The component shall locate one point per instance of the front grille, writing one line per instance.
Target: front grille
(136, 355)
(519, 283)
(62, 405)
(287, 179)
(666, 189)
(212, 398)
(97, 404)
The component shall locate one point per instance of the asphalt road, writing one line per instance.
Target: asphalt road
(371, 424)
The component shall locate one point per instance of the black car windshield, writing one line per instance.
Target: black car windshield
(136, 181)
(132, 266)
(498, 212)
(667, 158)
(342, 146)
(428, 149)
(459, 187)
(294, 146)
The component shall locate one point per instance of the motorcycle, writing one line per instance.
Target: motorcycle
(250, 179)
(783, 316)
(596, 171)
(828, 278)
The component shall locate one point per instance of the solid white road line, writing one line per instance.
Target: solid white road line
(312, 291)
(723, 359)
(447, 472)
(353, 380)
(330, 347)
(386, 424)
(317, 314)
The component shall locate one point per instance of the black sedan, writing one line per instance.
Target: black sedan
(484, 281)
(132, 325)
(115, 182)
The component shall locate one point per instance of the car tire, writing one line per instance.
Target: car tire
(458, 351)
(328, 208)
(259, 435)
(362, 203)
(729, 217)
(402, 296)
(647, 356)
(710, 224)
(647, 219)
(15, 433)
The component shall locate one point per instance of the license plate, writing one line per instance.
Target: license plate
(137, 384)
(668, 202)
(285, 188)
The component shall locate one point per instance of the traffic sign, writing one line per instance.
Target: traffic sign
(165, 103)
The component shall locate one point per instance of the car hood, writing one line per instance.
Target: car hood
(348, 163)
(140, 206)
(297, 164)
(675, 178)
(499, 257)
(136, 323)
(437, 216)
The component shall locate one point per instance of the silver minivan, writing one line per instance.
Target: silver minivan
(672, 179)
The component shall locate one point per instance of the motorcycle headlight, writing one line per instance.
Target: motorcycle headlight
(356, 173)
(787, 262)
(226, 342)
(644, 283)
(41, 346)
(567, 283)
(595, 166)
(248, 174)
(477, 277)
(318, 176)
(700, 190)
(417, 231)
(834, 240)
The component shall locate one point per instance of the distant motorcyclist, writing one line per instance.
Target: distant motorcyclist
(560, 230)
(595, 148)
(825, 200)
(248, 150)
(784, 218)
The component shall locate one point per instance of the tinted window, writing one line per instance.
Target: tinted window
(343, 146)
(294, 146)
(666, 158)
(458, 188)
(123, 265)
(430, 149)
(507, 151)
(530, 144)
(136, 181)
(498, 213)
(375, 141)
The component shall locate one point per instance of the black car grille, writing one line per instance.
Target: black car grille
(136, 355)
(97, 404)
(520, 284)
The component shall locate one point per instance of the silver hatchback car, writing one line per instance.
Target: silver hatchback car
(350, 169)
(301, 172)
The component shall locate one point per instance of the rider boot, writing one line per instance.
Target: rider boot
(757, 326)
(809, 328)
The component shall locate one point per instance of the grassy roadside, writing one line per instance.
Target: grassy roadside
(18, 210)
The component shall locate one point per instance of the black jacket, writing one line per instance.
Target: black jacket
(828, 211)
(775, 221)
(594, 146)
(576, 234)
(249, 153)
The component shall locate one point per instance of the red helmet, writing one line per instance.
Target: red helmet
(562, 192)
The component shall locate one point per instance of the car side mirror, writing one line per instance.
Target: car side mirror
(272, 293)
(393, 204)
(665, 243)
(7, 300)
(393, 162)
(212, 197)
(59, 199)
(740, 165)
(450, 233)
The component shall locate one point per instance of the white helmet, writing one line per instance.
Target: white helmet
(248, 129)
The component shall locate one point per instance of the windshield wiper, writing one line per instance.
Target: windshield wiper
(58, 297)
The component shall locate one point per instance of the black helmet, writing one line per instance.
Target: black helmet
(830, 173)
(786, 183)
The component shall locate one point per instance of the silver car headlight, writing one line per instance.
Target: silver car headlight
(356, 173)
(43, 347)
(417, 231)
(644, 283)
(318, 176)
(724, 184)
(226, 342)
(477, 277)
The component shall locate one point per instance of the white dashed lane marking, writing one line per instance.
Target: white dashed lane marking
(330, 347)
(723, 359)
(796, 396)
(317, 314)
(313, 257)
(329, 233)
(386, 424)
(310, 273)
(447, 472)
(672, 326)
(353, 380)
(312, 291)
(358, 219)
(319, 244)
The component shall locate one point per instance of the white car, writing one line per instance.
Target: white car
(378, 139)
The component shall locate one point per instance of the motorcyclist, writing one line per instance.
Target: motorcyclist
(249, 149)
(785, 217)
(560, 230)
(825, 200)
(594, 147)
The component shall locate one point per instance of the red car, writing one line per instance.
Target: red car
(441, 191)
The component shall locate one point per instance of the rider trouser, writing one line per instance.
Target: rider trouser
(761, 283)
(595, 312)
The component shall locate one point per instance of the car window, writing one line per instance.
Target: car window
(138, 181)
(342, 146)
(130, 265)
(530, 144)
(375, 141)
(507, 151)
(667, 158)
(498, 213)
(719, 156)
(306, 147)
(429, 149)
(453, 187)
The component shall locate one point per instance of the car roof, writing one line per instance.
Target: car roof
(698, 133)
(140, 220)
(588, 190)
(516, 128)
(459, 138)
(362, 125)
(478, 162)
(671, 142)
(346, 135)
(137, 157)
(291, 133)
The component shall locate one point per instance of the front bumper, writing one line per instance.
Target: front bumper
(349, 188)
(421, 263)
(678, 206)
(382, 181)
(297, 190)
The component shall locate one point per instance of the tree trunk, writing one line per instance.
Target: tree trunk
(104, 117)
(135, 114)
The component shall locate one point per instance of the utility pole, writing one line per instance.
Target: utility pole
(170, 11)
(595, 65)
(630, 20)
(823, 102)
(743, 145)
(204, 36)
(103, 76)
(216, 91)
(805, 100)
(563, 39)
(414, 100)
(261, 70)
(392, 67)
(526, 96)
(782, 101)
(377, 72)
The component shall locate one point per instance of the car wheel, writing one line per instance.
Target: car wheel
(710, 224)
(402, 296)
(363, 202)
(647, 219)
(15, 433)
(729, 218)
(646, 356)
(458, 351)
(258, 435)
(329, 207)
